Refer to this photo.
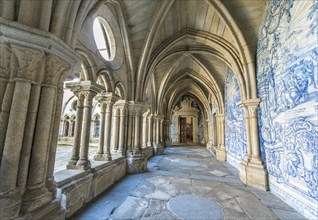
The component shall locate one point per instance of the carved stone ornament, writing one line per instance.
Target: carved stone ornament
(30, 63)
(5, 61)
(54, 68)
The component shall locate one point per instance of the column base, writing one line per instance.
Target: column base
(136, 164)
(35, 198)
(209, 145)
(80, 165)
(50, 211)
(168, 142)
(10, 204)
(158, 149)
(51, 185)
(102, 157)
(120, 152)
(220, 154)
(72, 161)
(254, 174)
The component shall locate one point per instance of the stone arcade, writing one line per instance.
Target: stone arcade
(131, 77)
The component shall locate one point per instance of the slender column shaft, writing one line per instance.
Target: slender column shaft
(221, 131)
(144, 132)
(150, 129)
(28, 137)
(254, 132)
(177, 130)
(102, 132)
(3, 86)
(137, 134)
(121, 132)
(114, 140)
(107, 131)
(78, 130)
(157, 130)
(37, 170)
(168, 138)
(37, 194)
(4, 114)
(14, 136)
(161, 130)
(53, 145)
(214, 131)
(195, 129)
(130, 136)
(83, 161)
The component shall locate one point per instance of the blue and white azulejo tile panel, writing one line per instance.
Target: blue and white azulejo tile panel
(235, 128)
(287, 74)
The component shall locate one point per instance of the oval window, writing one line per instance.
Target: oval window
(104, 39)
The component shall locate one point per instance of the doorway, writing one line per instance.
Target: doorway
(186, 129)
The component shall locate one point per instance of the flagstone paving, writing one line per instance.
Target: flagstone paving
(186, 183)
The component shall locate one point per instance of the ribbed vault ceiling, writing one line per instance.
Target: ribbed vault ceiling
(176, 57)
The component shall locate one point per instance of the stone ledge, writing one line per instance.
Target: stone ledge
(78, 187)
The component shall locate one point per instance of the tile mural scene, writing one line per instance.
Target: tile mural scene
(287, 71)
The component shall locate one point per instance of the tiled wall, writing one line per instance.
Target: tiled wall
(235, 128)
(287, 74)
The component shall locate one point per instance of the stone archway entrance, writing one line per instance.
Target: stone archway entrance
(186, 120)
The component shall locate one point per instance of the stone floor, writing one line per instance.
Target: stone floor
(186, 183)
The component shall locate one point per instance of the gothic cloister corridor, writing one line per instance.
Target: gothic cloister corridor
(185, 171)
(93, 94)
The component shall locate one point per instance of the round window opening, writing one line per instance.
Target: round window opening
(104, 39)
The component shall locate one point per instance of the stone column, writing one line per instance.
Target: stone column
(158, 146)
(150, 130)
(209, 132)
(220, 152)
(83, 162)
(136, 162)
(144, 130)
(107, 100)
(37, 194)
(252, 168)
(50, 183)
(214, 132)
(78, 130)
(10, 198)
(115, 123)
(177, 129)
(28, 137)
(86, 90)
(121, 147)
(167, 133)
(195, 130)
(130, 135)
(107, 154)
(161, 130)
(100, 151)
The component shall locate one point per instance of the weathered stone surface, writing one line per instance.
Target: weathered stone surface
(195, 207)
(136, 164)
(150, 195)
(132, 208)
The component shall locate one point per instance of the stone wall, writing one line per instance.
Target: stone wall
(235, 128)
(287, 80)
(77, 187)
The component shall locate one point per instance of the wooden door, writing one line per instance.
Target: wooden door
(186, 130)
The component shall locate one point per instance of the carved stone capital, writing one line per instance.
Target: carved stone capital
(250, 107)
(5, 61)
(30, 63)
(54, 68)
